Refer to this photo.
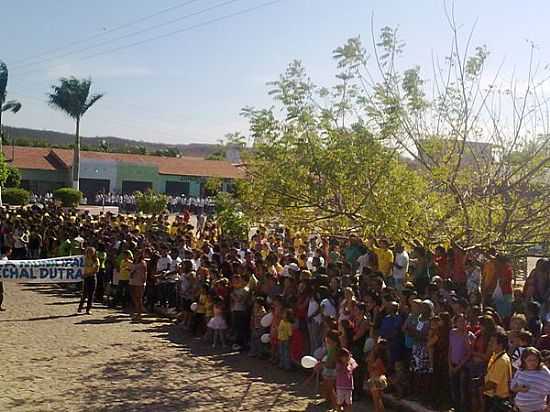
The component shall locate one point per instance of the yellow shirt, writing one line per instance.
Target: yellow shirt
(385, 260)
(125, 268)
(488, 277)
(208, 307)
(173, 229)
(91, 266)
(499, 371)
(202, 303)
(284, 331)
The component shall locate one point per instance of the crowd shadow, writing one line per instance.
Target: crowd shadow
(38, 318)
(295, 382)
(205, 376)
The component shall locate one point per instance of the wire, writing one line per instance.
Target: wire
(132, 34)
(104, 32)
(172, 33)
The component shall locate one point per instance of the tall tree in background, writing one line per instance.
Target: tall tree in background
(479, 138)
(464, 160)
(312, 171)
(72, 96)
(5, 106)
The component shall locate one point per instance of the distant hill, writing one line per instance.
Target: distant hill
(33, 137)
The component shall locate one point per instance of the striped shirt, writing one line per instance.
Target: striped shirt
(538, 382)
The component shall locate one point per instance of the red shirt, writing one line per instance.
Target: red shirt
(458, 274)
(505, 276)
(441, 265)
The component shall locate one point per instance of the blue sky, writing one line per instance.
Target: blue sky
(190, 87)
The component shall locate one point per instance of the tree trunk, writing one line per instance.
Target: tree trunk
(76, 157)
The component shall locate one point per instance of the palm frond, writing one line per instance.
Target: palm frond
(71, 96)
(13, 106)
(91, 101)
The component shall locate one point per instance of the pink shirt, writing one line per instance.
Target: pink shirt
(344, 375)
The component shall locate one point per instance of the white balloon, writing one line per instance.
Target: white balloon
(369, 345)
(266, 338)
(266, 320)
(194, 306)
(319, 352)
(309, 362)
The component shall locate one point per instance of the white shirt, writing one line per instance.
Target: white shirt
(327, 308)
(310, 266)
(164, 263)
(402, 259)
(313, 307)
(363, 261)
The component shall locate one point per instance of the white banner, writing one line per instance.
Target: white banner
(66, 269)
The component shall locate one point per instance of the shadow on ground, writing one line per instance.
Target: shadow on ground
(202, 379)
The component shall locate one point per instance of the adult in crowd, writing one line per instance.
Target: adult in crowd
(91, 267)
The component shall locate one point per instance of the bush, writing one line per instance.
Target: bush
(13, 179)
(151, 203)
(15, 197)
(234, 224)
(68, 196)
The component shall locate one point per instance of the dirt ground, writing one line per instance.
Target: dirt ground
(52, 359)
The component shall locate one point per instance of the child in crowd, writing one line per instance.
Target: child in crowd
(217, 325)
(534, 324)
(376, 366)
(199, 319)
(518, 322)
(344, 380)
(524, 339)
(239, 298)
(433, 338)
(328, 366)
(284, 332)
(256, 328)
(276, 310)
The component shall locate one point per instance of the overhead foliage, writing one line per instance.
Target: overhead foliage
(449, 158)
(310, 170)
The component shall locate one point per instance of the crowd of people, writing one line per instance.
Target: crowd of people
(446, 327)
(174, 204)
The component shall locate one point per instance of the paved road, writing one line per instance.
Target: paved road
(54, 360)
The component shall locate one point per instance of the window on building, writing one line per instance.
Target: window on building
(177, 188)
(131, 186)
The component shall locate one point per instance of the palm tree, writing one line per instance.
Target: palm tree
(72, 96)
(5, 106)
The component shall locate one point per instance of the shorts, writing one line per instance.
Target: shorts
(344, 396)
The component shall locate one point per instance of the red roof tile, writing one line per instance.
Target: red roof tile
(40, 158)
(30, 158)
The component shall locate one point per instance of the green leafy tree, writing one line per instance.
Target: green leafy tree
(68, 196)
(5, 106)
(150, 202)
(479, 145)
(463, 160)
(213, 186)
(13, 177)
(72, 96)
(4, 170)
(233, 223)
(311, 170)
